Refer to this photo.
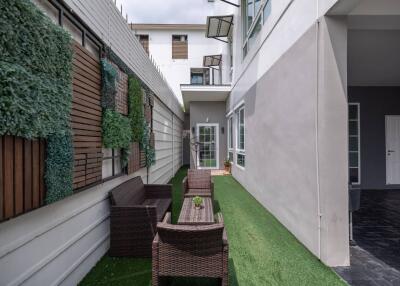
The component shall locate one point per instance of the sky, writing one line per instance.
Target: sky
(165, 11)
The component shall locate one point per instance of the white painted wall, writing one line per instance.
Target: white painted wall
(177, 71)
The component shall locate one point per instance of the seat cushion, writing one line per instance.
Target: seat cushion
(199, 179)
(161, 204)
(198, 192)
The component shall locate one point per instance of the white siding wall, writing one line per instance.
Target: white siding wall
(168, 133)
(178, 146)
(59, 243)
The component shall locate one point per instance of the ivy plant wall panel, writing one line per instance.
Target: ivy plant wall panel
(86, 118)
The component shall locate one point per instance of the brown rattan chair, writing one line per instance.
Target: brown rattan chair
(198, 183)
(135, 210)
(190, 251)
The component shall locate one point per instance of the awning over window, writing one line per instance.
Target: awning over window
(219, 26)
(212, 61)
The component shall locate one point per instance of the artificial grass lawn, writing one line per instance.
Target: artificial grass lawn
(261, 250)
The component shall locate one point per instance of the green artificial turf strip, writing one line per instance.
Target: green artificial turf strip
(261, 250)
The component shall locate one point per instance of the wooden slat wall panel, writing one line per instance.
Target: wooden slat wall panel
(18, 175)
(1, 180)
(86, 118)
(134, 158)
(179, 50)
(22, 186)
(121, 98)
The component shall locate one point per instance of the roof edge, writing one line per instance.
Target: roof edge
(167, 26)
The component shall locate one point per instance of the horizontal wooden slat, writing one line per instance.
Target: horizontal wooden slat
(86, 118)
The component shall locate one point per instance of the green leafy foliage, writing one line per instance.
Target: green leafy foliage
(135, 109)
(198, 201)
(109, 77)
(32, 106)
(35, 72)
(59, 166)
(145, 144)
(116, 130)
(35, 88)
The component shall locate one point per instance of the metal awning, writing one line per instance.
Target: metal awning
(219, 27)
(212, 61)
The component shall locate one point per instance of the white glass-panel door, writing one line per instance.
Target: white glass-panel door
(207, 137)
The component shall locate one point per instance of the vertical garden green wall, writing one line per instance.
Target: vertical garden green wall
(35, 87)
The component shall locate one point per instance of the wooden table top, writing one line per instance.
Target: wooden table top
(190, 215)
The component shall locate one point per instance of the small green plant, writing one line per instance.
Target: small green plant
(198, 201)
(227, 162)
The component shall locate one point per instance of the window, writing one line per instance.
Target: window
(230, 138)
(144, 40)
(354, 143)
(179, 46)
(111, 166)
(240, 140)
(200, 76)
(255, 13)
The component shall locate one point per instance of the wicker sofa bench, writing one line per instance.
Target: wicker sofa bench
(135, 210)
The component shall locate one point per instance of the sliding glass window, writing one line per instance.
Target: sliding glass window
(255, 13)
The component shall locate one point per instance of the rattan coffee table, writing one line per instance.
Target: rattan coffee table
(190, 215)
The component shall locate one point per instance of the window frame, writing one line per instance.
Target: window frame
(230, 138)
(142, 40)
(114, 156)
(258, 19)
(358, 136)
(240, 151)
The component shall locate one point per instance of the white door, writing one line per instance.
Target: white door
(208, 153)
(393, 149)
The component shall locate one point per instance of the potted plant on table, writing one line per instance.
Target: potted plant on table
(197, 201)
(227, 164)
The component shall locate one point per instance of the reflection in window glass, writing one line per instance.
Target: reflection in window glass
(255, 32)
(241, 160)
(250, 13)
(267, 11)
(196, 78)
(257, 5)
(240, 147)
(354, 143)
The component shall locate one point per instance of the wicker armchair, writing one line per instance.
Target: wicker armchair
(190, 251)
(198, 183)
(135, 210)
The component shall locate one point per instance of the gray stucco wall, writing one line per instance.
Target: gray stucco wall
(296, 140)
(375, 103)
(215, 113)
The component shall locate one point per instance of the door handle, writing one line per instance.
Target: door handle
(391, 151)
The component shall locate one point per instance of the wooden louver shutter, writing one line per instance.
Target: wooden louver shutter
(86, 118)
(179, 47)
